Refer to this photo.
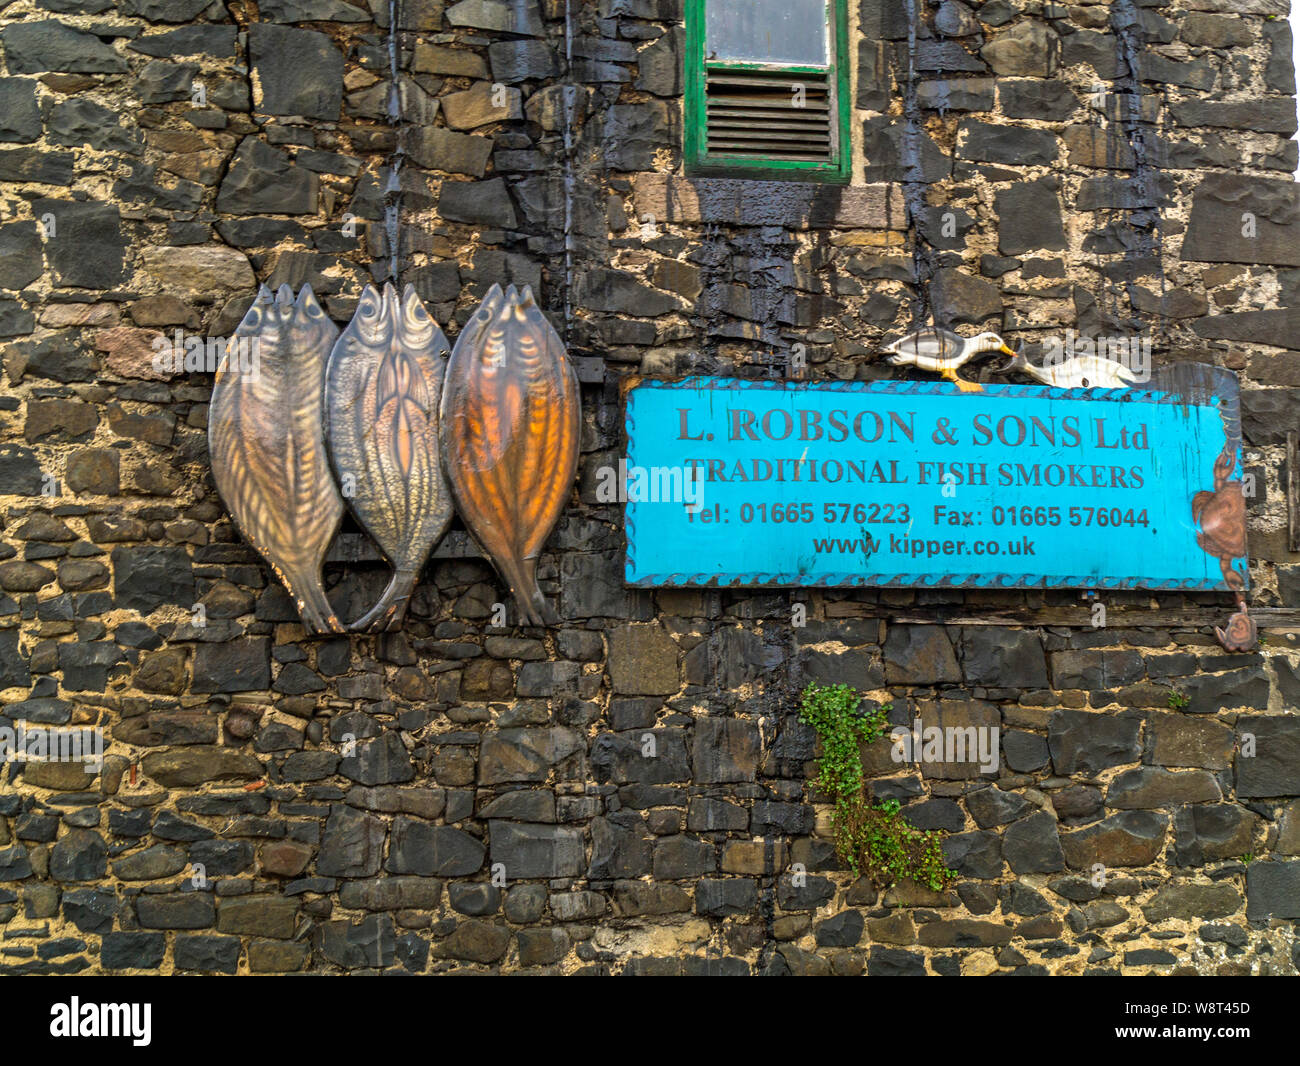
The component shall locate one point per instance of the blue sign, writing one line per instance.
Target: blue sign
(769, 484)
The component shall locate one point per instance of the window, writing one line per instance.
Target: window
(767, 89)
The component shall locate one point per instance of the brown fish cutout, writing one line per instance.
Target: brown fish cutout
(268, 448)
(510, 424)
(382, 389)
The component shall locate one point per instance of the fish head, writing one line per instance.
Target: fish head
(416, 329)
(368, 323)
(531, 332)
(471, 345)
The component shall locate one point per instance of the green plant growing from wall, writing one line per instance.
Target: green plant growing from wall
(1177, 701)
(872, 840)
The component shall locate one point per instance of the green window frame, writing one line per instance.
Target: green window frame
(836, 167)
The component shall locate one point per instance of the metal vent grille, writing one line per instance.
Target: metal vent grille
(769, 115)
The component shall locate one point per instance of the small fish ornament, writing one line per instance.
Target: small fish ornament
(1077, 372)
(383, 385)
(268, 448)
(510, 435)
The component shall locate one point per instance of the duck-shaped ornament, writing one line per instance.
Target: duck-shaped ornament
(1077, 372)
(943, 351)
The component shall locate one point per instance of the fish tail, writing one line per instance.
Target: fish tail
(313, 606)
(521, 575)
(390, 610)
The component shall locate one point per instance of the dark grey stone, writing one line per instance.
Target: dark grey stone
(478, 202)
(520, 17)
(976, 854)
(1035, 98)
(531, 851)
(1212, 832)
(1274, 769)
(1003, 658)
(207, 954)
(1217, 231)
(50, 45)
(1272, 890)
(352, 844)
(721, 897)
(428, 850)
(242, 665)
(619, 847)
(1087, 743)
(1095, 669)
(1024, 752)
(90, 910)
(20, 471)
(160, 82)
(300, 72)
(87, 248)
(368, 943)
(1029, 217)
(884, 146)
(477, 898)
(14, 863)
(514, 61)
(216, 41)
(75, 122)
(1032, 845)
(262, 180)
(381, 761)
(659, 65)
(176, 910)
(20, 116)
(132, 951)
(942, 814)
(992, 806)
(80, 856)
(725, 750)
(919, 655)
(843, 930)
(893, 962)
(987, 142)
(628, 757)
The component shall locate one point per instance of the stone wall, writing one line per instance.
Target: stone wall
(272, 804)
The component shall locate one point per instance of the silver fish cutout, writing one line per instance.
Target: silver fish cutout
(268, 448)
(382, 391)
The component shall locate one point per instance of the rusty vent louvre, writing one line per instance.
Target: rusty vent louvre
(761, 114)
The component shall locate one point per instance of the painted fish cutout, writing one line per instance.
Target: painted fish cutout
(1077, 372)
(382, 391)
(510, 425)
(268, 448)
